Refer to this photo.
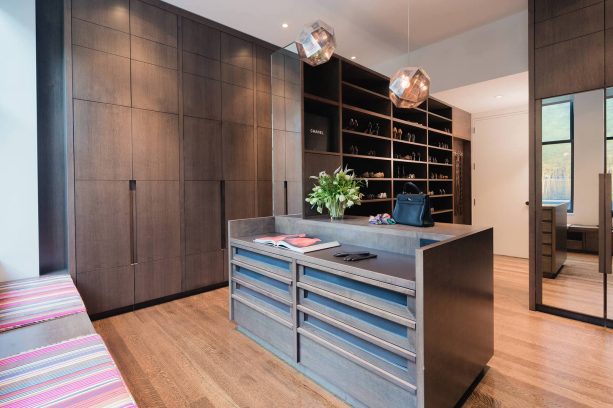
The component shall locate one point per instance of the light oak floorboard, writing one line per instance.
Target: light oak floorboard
(187, 353)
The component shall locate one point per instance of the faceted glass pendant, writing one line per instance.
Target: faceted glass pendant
(409, 87)
(316, 43)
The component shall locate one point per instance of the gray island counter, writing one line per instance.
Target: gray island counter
(411, 328)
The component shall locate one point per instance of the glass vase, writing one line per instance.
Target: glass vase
(337, 211)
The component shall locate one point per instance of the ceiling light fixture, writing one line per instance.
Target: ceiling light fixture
(498, 96)
(410, 86)
(284, 25)
(316, 43)
(353, 57)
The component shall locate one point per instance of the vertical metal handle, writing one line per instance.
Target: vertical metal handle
(222, 204)
(133, 256)
(604, 224)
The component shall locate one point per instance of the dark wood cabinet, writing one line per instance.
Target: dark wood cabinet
(102, 141)
(101, 77)
(546, 9)
(107, 289)
(236, 51)
(238, 151)
(203, 66)
(237, 75)
(103, 233)
(204, 269)
(109, 13)
(153, 53)
(100, 38)
(202, 149)
(156, 145)
(201, 97)
(264, 153)
(153, 23)
(200, 39)
(202, 215)
(239, 199)
(237, 104)
(156, 279)
(158, 220)
(154, 87)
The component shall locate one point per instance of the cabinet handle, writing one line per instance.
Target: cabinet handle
(604, 226)
(222, 204)
(132, 187)
(285, 199)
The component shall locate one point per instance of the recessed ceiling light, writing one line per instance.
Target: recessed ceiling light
(284, 25)
(498, 96)
(353, 57)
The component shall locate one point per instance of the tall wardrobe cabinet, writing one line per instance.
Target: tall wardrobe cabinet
(166, 147)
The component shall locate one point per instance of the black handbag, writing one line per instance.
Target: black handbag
(413, 208)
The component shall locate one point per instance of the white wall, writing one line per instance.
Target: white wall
(588, 155)
(18, 169)
(491, 51)
(499, 150)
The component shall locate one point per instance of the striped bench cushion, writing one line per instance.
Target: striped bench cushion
(28, 301)
(75, 373)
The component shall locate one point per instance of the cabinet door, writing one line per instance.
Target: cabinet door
(107, 289)
(154, 88)
(202, 216)
(238, 152)
(202, 149)
(156, 279)
(153, 23)
(156, 145)
(103, 234)
(239, 199)
(203, 270)
(158, 222)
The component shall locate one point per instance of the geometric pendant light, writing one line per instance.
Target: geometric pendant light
(409, 86)
(316, 43)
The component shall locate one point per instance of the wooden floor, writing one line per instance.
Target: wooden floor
(186, 353)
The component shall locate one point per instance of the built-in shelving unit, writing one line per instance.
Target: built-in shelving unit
(350, 120)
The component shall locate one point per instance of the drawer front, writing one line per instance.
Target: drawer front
(395, 363)
(264, 280)
(546, 238)
(263, 301)
(546, 261)
(376, 322)
(546, 215)
(395, 300)
(350, 380)
(268, 262)
(546, 226)
(546, 249)
(265, 329)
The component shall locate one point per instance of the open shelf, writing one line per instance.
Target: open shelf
(414, 115)
(365, 119)
(322, 80)
(438, 108)
(364, 78)
(370, 101)
(321, 131)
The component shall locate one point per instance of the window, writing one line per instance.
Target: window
(557, 139)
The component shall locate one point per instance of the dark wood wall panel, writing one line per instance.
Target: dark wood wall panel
(103, 235)
(571, 66)
(153, 23)
(156, 145)
(101, 77)
(237, 75)
(239, 161)
(200, 39)
(545, 9)
(154, 87)
(202, 149)
(203, 66)
(202, 213)
(201, 97)
(154, 53)
(157, 220)
(204, 269)
(236, 51)
(575, 24)
(264, 198)
(156, 279)
(609, 57)
(107, 289)
(109, 13)
(264, 155)
(237, 104)
(100, 38)
(239, 199)
(103, 143)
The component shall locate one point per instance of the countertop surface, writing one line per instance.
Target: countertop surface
(388, 267)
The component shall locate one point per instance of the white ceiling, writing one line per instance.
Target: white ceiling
(483, 96)
(372, 30)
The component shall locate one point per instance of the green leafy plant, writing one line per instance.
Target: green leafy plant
(336, 192)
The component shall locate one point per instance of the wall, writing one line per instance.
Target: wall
(588, 156)
(18, 174)
(500, 177)
(491, 51)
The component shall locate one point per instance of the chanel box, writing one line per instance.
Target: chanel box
(316, 132)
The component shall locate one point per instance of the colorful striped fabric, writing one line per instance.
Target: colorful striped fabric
(75, 373)
(29, 301)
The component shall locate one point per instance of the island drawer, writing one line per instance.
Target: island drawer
(351, 378)
(391, 298)
(262, 300)
(376, 322)
(276, 333)
(395, 363)
(266, 261)
(268, 282)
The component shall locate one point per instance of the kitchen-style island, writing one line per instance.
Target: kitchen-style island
(411, 328)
